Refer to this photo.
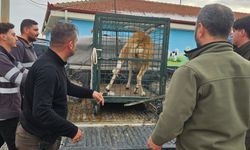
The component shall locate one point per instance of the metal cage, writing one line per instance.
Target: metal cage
(122, 42)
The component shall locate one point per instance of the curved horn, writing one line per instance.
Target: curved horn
(152, 29)
(134, 27)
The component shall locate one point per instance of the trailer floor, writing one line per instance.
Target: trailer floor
(115, 127)
(110, 113)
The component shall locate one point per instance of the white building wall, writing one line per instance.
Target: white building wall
(0, 11)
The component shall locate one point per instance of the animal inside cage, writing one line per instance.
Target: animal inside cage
(131, 57)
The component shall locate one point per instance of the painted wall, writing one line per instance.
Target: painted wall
(179, 41)
(84, 27)
(0, 11)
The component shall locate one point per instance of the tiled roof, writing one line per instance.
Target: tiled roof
(141, 6)
(131, 6)
(180, 14)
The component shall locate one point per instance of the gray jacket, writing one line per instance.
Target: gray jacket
(24, 53)
(12, 75)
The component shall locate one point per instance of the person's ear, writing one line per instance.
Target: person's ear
(71, 44)
(3, 37)
(200, 30)
(26, 29)
(243, 32)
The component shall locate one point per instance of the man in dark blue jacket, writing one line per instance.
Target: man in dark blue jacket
(43, 118)
(24, 52)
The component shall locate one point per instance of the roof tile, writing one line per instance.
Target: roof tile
(142, 6)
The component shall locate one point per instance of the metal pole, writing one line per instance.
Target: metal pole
(5, 10)
(66, 15)
(116, 34)
(115, 6)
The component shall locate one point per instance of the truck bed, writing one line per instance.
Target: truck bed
(115, 127)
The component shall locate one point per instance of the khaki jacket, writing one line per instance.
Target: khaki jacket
(208, 102)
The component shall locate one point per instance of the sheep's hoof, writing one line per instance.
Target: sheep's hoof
(136, 91)
(107, 89)
(143, 94)
(127, 87)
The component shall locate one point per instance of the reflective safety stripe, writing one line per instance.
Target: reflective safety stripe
(2, 79)
(9, 90)
(27, 65)
(26, 71)
(19, 78)
(19, 65)
(10, 73)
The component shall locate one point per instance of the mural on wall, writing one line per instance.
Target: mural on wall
(179, 41)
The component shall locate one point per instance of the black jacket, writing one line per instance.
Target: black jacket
(45, 104)
(244, 50)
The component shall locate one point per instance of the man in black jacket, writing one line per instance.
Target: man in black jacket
(43, 118)
(241, 41)
(241, 37)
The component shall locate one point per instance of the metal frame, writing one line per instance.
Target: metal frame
(117, 23)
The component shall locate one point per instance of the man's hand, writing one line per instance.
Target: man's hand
(98, 97)
(77, 137)
(152, 145)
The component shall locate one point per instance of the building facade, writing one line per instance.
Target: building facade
(82, 14)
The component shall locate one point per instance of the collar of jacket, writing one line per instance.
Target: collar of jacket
(51, 53)
(210, 47)
(243, 49)
(25, 42)
(3, 50)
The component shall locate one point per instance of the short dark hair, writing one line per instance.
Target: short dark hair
(217, 19)
(5, 27)
(63, 32)
(27, 23)
(243, 23)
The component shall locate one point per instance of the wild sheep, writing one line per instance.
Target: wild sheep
(139, 46)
